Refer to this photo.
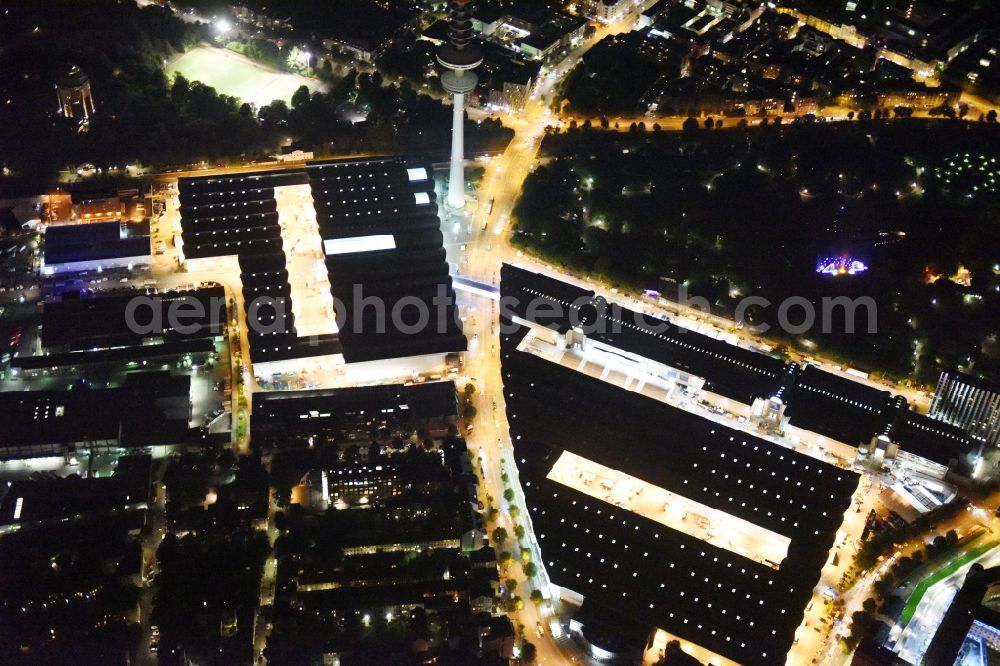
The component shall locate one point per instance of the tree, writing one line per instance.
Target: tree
(528, 652)
(419, 624)
(671, 651)
(180, 88)
(536, 598)
(991, 117)
(508, 494)
(517, 603)
(883, 587)
(283, 495)
(709, 123)
(505, 558)
(300, 97)
(690, 125)
(469, 390)
(861, 622)
(491, 514)
(515, 512)
(519, 531)
(469, 412)
(499, 535)
(605, 123)
(530, 569)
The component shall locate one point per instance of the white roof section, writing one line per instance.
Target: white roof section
(356, 244)
(719, 528)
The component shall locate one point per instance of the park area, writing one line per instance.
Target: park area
(234, 74)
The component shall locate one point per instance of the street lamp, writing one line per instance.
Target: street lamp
(222, 26)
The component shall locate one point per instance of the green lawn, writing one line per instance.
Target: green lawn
(233, 74)
(911, 604)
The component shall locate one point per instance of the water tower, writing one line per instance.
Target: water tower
(73, 91)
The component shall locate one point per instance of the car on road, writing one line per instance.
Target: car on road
(539, 630)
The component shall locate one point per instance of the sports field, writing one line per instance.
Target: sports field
(233, 74)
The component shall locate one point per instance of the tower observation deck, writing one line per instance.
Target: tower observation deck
(459, 56)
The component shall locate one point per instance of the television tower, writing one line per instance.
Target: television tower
(459, 57)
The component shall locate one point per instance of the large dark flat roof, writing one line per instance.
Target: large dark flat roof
(392, 196)
(817, 400)
(731, 371)
(286, 411)
(837, 407)
(931, 439)
(149, 408)
(55, 498)
(102, 321)
(662, 577)
(91, 242)
(237, 215)
(116, 355)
